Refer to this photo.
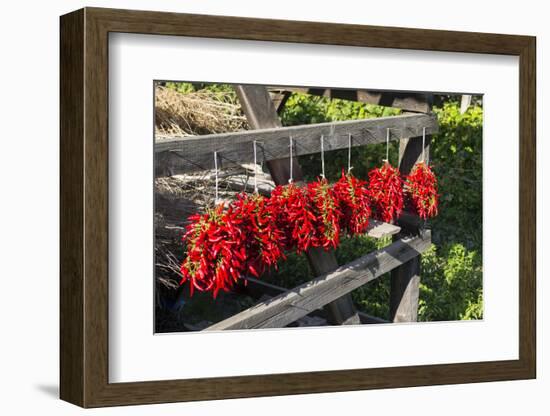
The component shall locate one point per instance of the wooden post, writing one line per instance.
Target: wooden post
(261, 113)
(405, 279)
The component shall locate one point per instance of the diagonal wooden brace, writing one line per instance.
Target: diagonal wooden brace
(261, 113)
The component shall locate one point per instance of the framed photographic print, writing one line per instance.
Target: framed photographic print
(261, 207)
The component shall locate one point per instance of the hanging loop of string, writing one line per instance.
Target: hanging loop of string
(290, 180)
(349, 153)
(255, 169)
(423, 143)
(387, 145)
(216, 177)
(323, 156)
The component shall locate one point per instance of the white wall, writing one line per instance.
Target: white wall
(29, 209)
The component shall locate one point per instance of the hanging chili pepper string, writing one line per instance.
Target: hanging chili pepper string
(421, 186)
(252, 233)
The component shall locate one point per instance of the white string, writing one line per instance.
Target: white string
(323, 156)
(332, 130)
(387, 145)
(290, 179)
(423, 142)
(216, 175)
(255, 170)
(349, 153)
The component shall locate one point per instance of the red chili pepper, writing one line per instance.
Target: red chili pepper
(421, 188)
(215, 250)
(294, 216)
(327, 214)
(264, 241)
(386, 191)
(252, 233)
(353, 200)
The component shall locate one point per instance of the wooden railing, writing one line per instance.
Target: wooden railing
(186, 154)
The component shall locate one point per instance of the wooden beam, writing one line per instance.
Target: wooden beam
(279, 99)
(302, 300)
(413, 102)
(186, 154)
(405, 280)
(261, 113)
(408, 101)
(405, 291)
(258, 288)
(369, 319)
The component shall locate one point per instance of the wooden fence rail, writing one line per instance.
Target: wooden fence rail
(308, 297)
(407, 101)
(258, 288)
(187, 154)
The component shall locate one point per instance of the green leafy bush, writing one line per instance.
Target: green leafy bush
(456, 154)
(225, 91)
(451, 284)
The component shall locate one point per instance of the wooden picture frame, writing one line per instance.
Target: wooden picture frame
(84, 207)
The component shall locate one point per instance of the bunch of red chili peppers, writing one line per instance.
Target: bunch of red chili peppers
(253, 233)
(421, 187)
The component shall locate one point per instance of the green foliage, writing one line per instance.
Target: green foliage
(224, 91)
(371, 298)
(451, 284)
(181, 87)
(456, 154)
(308, 109)
(290, 273)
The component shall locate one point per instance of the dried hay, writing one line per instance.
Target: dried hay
(196, 113)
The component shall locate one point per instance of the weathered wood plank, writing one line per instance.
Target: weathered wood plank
(405, 280)
(369, 319)
(405, 291)
(302, 300)
(258, 288)
(261, 113)
(379, 229)
(407, 101)
(192, 153)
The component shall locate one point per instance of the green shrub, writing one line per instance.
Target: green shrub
(451, 284)
(456, 154)
(225, 91)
